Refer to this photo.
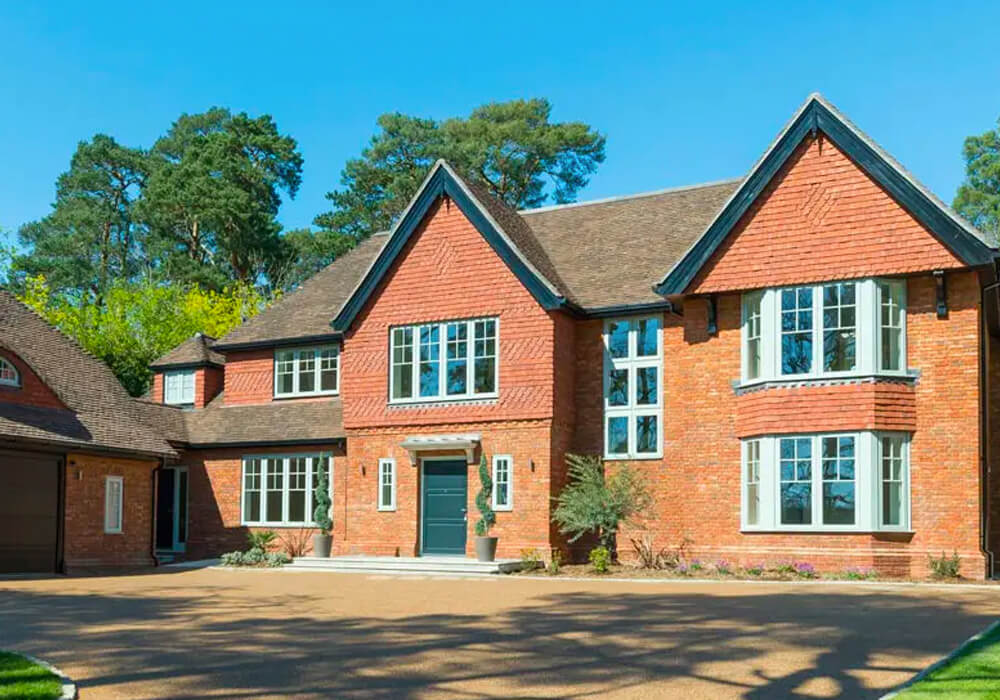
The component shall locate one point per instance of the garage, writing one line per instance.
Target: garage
(29, 511)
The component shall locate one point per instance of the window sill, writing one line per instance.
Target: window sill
(632, 458)
(387, 510)
(484, 399)
(310, 526)
(822, 531)
(741, 387)
(502, 509)
(313, 395)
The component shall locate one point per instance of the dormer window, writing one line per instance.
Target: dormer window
(306, 372)
(8, 374)
(178, 387)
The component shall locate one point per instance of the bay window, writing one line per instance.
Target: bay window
(826, 482)
(280, 489)
(442, 361)
(306, 372)
(633, 375)
(850, 328)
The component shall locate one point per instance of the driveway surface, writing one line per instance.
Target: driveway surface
(267, 634)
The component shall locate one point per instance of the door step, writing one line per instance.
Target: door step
(435, 566)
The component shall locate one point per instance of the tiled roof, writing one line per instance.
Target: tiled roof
(101, 414)
(196, 350)
(270, 423)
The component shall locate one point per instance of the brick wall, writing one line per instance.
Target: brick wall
(208, 382)
(156, 393)
(86, 543)
(214, 499)
(32, 391)
(821, 218)
(249, 376)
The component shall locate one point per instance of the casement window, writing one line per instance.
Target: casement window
(114, 499)
(827, 482)
(444, 361)
(306, 372)
(8, 374)
(503, 482)
(178, 387)
(633, 377)
(281, 489)
(387, 484)
(825, 330)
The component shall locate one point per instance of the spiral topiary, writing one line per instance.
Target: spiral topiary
(321, 516)
(486, 515)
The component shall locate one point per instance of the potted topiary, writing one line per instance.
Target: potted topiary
(321, 516)
(486, 546)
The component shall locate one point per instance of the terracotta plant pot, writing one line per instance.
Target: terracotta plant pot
(321, 545)
(486, 548)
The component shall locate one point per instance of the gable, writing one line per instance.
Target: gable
(503, 229)
(31, 391)
(821, 218)
(817, 122)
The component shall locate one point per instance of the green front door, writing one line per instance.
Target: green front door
(445, 494)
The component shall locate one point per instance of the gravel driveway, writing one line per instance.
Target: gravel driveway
(263, 634)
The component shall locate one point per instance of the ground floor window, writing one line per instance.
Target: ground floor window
(280, 489)
(387, 484)
(503, 466)
(114, 497)
(828, 482)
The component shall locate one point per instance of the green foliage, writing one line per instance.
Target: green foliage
(511, 147)
(256, 557)
(600, 560)
(530, 559)
(555, 563)
(945, 566)
(262, 540)
(24, 679)
(321, 496)
(973, 673)
(978, 198)
(595, 503)
(139, 322)
(308, 252)
(649, 556)
(486, 515)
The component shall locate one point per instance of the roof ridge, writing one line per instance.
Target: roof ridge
(625, 197)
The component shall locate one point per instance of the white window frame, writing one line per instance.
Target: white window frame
(384, 464)
(7, 367)
(509, 459)
(867, 483)
(867, 328)
(184, 395)
(633, 411)
(114, 487)
(285, 462)
(470, 358)
(296, 360)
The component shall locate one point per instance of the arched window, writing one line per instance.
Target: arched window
(8, 374)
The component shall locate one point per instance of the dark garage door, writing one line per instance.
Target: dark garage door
(29, 512)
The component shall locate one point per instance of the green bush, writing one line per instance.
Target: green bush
(555, 563)
(945, 566)
(595, 503)
(600, 559)
(321, 496)
(530, 559)
(261, 540)
(486, 515)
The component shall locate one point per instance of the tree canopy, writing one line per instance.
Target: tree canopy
(978, 198)
(512, 147)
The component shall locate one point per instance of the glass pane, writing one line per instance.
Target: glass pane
(838, 503)
(795, 469)
(485, 378)
(647, 337)
(457, 377)
(182, 503)
(618, 387)
(839, 331)
(645, 434)
(275, 489)
(402, 382)
(796, 330)
(430, 362)
(753, 358)
(457, 351)
(892, 504)
(618, 338)
(501, 494)
(645, 391)
(251, 490)
(387, 495)
(891, 349)
(753, 504)
(328, 365)
(618, 435)
(796, 504)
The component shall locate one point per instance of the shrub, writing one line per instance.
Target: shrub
(649, 557)
(723, 567)
(600, 559)
(593, 502)
(945, 566)
(261, 540)
(805, 570)
(696, 565)
(683, 569)
(857, 573)
(276, 559)
(555, 563)
(295, 542)
(755, 569)
(321, 496)
(256, 557)
(486, 515)
(530, 559)
(232, 559)
(785, 567)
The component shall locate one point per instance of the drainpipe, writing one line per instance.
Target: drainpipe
(986, 467)
(155, 484)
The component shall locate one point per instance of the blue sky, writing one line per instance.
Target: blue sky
(684, 93)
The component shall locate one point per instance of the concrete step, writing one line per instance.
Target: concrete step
(405, 565)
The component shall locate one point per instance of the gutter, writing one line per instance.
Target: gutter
(279, 342)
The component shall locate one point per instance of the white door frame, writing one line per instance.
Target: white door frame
(177, 545)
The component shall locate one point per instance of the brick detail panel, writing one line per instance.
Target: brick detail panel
(33, 391)
(821, 218)
(208, 382)
(249, 377)
(449, 271)
(86, 543)
(879, 405)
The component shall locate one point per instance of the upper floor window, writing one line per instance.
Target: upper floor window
(306, 372)
(450, 360)
(633, 377)
(824, 330)
(8, 374)
(842, 481)
(178, 387)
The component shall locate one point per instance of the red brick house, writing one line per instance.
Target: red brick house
(800, 363)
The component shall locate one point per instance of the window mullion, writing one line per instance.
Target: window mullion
(816, 521)
(817, 331)
(442, 360)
